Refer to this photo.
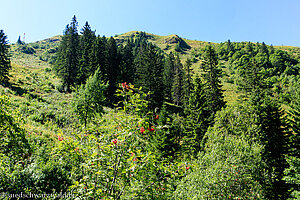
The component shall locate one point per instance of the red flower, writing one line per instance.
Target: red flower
(142, 130)
(60, 138)
(151, 129)
(92, 164)
(132, 154)
(125, 86)
(134, 159)
(114, 141)
(156, 117)
(187, 168)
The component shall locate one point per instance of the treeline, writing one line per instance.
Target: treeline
(138, 62)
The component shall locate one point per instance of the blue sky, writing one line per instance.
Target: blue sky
(274, 22)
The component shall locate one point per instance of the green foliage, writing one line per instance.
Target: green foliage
(292, 177)
(178, 81)
(112, 70)
(136, 151)
(187, 82)
(212, 75)
(86, 62)
(4, 58)
(127, 70)
(197, 118)
(12, 136)
(89, 98)
(66, 66)
(149, 68)
(26, 49)
(294, 124)
(231, 165)
(168, 75)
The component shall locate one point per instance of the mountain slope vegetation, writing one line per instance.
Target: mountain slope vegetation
(142, 116)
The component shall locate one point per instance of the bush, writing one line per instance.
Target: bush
(231, 165)
(26, 49)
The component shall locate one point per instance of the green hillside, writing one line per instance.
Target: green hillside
(41, 54)
(232, 135)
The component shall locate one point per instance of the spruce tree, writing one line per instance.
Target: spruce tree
(177, 87)
(294, 125)
(112, 70)
(149, 73)
(19, 42)
(212, 75)
(99, 56)
(274, 138)
(197, 118)
(273, 135)
(187, 82)
(168, 75)
(67, 63)
(127, 70)
(5, 65)
(86, 63)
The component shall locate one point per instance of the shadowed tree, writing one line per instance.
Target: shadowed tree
(67, 63)
(4, 58)
(211, 76)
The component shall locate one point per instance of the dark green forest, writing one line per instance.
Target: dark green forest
(137, 116)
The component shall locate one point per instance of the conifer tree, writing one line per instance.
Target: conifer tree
(274, 138)
(177, 87)
(263, 49)
(99, 56)
(168, 75)
(67, 63)
(212, 75)
(197, 117)
(86, 63)
(187, 82)
(5, 65)
(20, 41)
(294, 124)
(273, 128)
(149, 73)
(112, 70)
(127, 70)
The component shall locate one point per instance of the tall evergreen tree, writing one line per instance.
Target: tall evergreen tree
(168, 75)
(99, 56)
(149, 73)
(263, 49)
(273, 133)
(19, 41)
(187, 82)
(197, 117)
(86, 63)
(177, 87)
(294, 124)
(212, 75)
(112, 70)
(67, 63)
(274, 138)
(4, 58)
(127, 69)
